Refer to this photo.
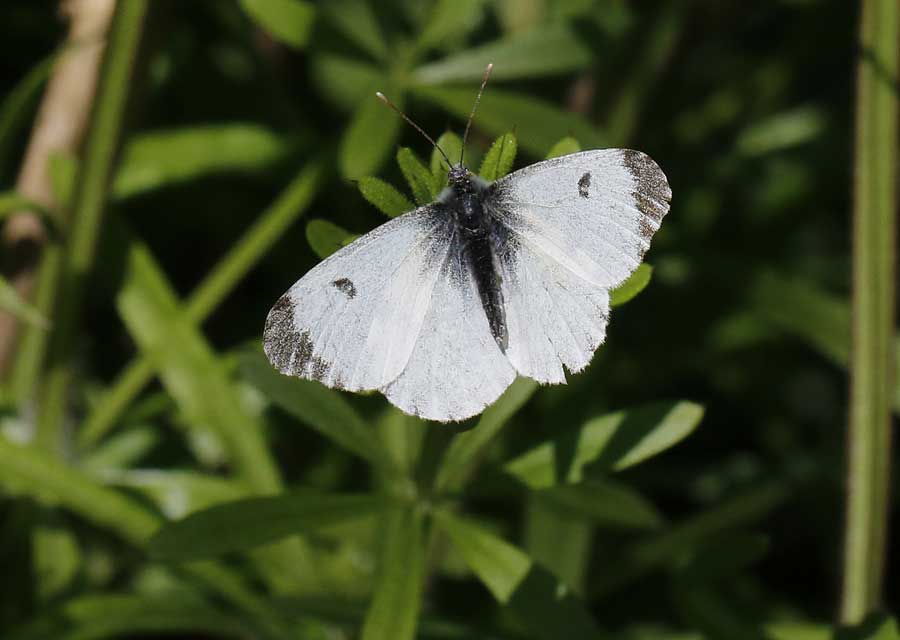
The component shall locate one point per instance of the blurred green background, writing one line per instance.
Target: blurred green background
(245, 128)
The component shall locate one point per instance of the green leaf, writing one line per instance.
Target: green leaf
(290, 21)
(394, 612)
(500, 157)
(11, 202)
(452, 146)
(546, 608)
(467, 448)
(157, 159)
(18, 106)
(635, 283)
(564, 147)
(877, 626)
(188, 367)
(346, 81)
(544, 527)
(56, 556)
(245, 524)
(420, 179)
(117, 616)
(317, 406)
(449, 20)
(177, 493)
(12, 302)
(782, 131)
(604, 502)
(121, 450)
(612, 442)
(538, 125)
(369, 138)
(544, 51)
(797, 630)
(358, 23)
(325, 237)
(384, 197)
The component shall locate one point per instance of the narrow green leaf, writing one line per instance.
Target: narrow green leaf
(604, 502)
(544, 51)
(188, 367)
(420, 179)
(358, 23)
(245, 524)
(612, 442)
(384, 197)
(449, 20)
(157, 159)
(176, 493)
(92, 617)
(452, 146)
(538, 125)
(797, 630)
(346, 81)
(544, 527)
(394, 612)
(781, 131)
(12, 302)
(546, 608)
(121, 450)
(372, 133)
(500, 157)
(467, 448)
(55, 555)
(317, 406)
(290, 21)
(635, 283)
(564, 147)
(325, 237)
(876, 626)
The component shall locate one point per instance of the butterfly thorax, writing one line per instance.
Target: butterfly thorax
(465, 199)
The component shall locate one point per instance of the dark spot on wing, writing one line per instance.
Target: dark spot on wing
(289, 350)
(652, 193)
(584, 183)
(345, 286)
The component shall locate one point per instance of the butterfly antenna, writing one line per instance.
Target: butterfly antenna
(434, 144)
(487, 74)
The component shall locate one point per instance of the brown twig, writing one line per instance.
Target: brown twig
(59, 128)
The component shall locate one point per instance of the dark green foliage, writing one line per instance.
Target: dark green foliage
(685, 486)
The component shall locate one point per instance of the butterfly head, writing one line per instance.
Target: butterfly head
(458, 177)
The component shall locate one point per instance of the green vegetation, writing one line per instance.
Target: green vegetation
(158, 478)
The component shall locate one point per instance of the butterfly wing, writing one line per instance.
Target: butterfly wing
(576, 227)
(351, 322)
(456, 368)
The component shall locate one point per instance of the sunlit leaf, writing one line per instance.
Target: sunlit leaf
(564, 147)
(419, 178)
(372, 133)
(635, 283)
(156, 159)
(356, 20)
(549, 50)
(245, 524)
(499, 159)
(317, 406)
(612, 442)
(290, 21)
(325, 237)
(604, 502)
(383, 196)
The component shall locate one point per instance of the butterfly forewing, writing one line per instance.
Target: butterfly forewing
(352, 321)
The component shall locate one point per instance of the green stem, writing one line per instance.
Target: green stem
(874, 287)
(88, 206)
(209, 294)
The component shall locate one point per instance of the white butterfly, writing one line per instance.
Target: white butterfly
(440, 308)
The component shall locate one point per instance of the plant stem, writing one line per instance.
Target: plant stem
(874, 286)
(87, 209)
(242, 257)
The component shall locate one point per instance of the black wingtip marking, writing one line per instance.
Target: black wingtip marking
(584, 184)
(289, 350)
(652, 193)
(345, 286)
